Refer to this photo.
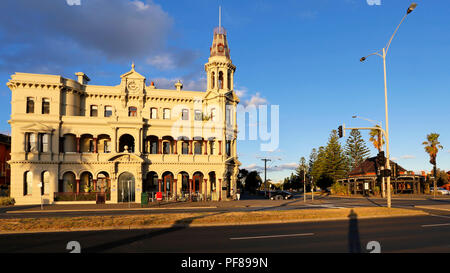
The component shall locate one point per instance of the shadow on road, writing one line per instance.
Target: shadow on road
(178, 225)
(373, 202)
(354, 244)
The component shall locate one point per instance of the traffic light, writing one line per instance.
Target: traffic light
(340, 131)
(381, 159)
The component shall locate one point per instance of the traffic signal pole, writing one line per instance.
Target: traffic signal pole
(387, 165)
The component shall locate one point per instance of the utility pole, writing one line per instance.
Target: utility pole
(265, 172)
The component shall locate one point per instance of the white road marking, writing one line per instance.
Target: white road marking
(436, 225)
(272, 236)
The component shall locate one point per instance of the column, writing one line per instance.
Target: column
(159, 146)
(206, 147)
(159, 185)
(78, 144)
(175, 147)
(205, 192)
(95, 145)
(220, 147)
(95, 184)
(175, 188)
(78, 185)
(190, 146)
(220, 189)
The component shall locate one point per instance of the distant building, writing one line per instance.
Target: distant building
(5, 156)
(402, 181)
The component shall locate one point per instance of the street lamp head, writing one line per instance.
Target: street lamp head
(411, 8)
(362, 59)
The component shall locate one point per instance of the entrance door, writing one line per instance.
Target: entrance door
(126, 187)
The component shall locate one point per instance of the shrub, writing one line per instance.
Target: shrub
(7, 201)
(339, 189)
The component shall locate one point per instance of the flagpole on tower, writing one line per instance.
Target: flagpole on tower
(220, 18)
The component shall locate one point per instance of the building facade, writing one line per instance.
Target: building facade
(72, 141)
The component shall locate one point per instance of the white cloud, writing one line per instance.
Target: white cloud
(255, 100)
(196, 84)
(163, 61)
(407, 157)
(282, 167)
(140, 5)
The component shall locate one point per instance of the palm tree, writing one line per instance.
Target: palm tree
(432, 146)
(376, 138)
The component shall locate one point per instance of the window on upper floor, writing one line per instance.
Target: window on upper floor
(45, 106)
(198, 148)
(132, 111)
(94, 110)
(30, 105)
(153, 113)
(185, 148)
(198, 115)
(166, 147)
(44, 146)
(185, 114)
(228, 116)
(228, 148)
(211, 147)
(213, 114)
(166, 113)
(108, 111)
(30, 142)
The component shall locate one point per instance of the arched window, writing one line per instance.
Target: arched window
(45, 180)
(229, 79)
(27, 183)
(185, 148)
(220, 80)
(126, 144)
(213, 114)
(198, 148)
(213, 76)
(132, 111)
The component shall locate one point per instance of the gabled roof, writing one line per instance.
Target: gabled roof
(370, 167)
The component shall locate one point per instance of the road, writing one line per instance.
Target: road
(244, 205)
(402, 234)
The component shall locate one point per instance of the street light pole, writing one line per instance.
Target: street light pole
(384, 52)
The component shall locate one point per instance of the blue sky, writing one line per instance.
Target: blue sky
(300, 55)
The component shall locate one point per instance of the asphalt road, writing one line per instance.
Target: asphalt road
(296, 203)
(403, 234)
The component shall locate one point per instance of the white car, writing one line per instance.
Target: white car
(440, 190)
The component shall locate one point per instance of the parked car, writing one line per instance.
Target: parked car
(440, 190)
(280, 195)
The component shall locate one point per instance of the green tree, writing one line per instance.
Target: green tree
(333, 162)
(356, 149)
(301, 172)
(432, 146)
(252, 181)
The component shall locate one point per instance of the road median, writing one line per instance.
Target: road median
(191, 219)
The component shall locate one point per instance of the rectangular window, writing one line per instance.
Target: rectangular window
(44, 143)
(198, 115)
(108, 111)
(211, 147)
(213, 114)
(228, 148)
(198, 148)
(30, 142)
(228, 116)
(30, 105)
(185, 114)
(45, 106)
(166, 114)
(94, 110)
(153, 147)
(153, 113)
(106, 147)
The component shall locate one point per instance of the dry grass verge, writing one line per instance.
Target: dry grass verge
(194, 218)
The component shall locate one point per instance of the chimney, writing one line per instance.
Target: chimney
(82, 78)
